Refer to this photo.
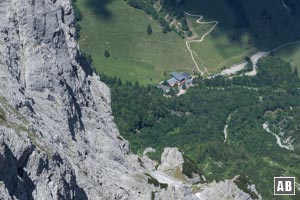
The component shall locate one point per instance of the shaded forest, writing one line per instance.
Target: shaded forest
(195, 122)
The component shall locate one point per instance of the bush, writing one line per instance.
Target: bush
(78, 17)
(190, 167)
(156, 183)
(149, 29)
(165, 29)
(106, 54)
(172, 8)
(242, 182)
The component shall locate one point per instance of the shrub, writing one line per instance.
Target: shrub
(156, 183)
(190, 167)
(149, 29)
(106, 53)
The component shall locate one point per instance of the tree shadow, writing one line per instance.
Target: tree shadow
(268, 23)
(99, 8)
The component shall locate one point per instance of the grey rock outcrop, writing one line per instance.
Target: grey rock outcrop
(171, 159)
(172, 163)
(58, 139)
(180, 186)
(223, 190)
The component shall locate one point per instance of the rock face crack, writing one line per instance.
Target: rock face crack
(17, 182)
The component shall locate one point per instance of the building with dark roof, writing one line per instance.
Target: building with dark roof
(164, 88)
(179, 79)
(186, 75)
(178, 76)
(172, 82)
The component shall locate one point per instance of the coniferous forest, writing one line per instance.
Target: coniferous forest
(195, 122)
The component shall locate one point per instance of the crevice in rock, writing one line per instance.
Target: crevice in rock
(15, 179)
(72, 120)
(58, 160)
(79, 192)
(83, 62)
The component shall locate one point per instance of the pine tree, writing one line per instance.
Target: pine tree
(149, 29)
(106, 54)
(296, 72)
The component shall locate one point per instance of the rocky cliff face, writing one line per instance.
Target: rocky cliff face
(58, 138)
(57, 135)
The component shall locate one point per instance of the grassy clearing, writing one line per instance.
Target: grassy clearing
(134, 55)
(114, 26)
(198, 29)
(218, 50)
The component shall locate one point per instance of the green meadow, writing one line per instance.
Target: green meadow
(217, 50)
(134, 55)
(243, 29)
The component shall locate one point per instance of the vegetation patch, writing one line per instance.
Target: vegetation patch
(169, 13)
(78, 18)
(19, 127)
(12, 110)
(190, 167)
(121, 30)
(115, 35)
(152, 195)
(242, 182)
(291, 54)
(146, 118)
(156, 183)
(141, 162)
(2, 116)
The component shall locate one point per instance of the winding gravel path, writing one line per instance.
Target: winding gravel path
(236, 67)
(254, 59)
(193, 53)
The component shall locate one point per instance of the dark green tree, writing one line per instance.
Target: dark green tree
(172, 92)
(296, 72)
(106, 53)
(248, 59)
(149, 29)
(165, 29)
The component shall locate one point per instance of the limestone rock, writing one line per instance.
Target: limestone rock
(171, 159)
(222, 190)
(59, 140)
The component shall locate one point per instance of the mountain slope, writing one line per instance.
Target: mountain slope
(244, 28)
(58, 139)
